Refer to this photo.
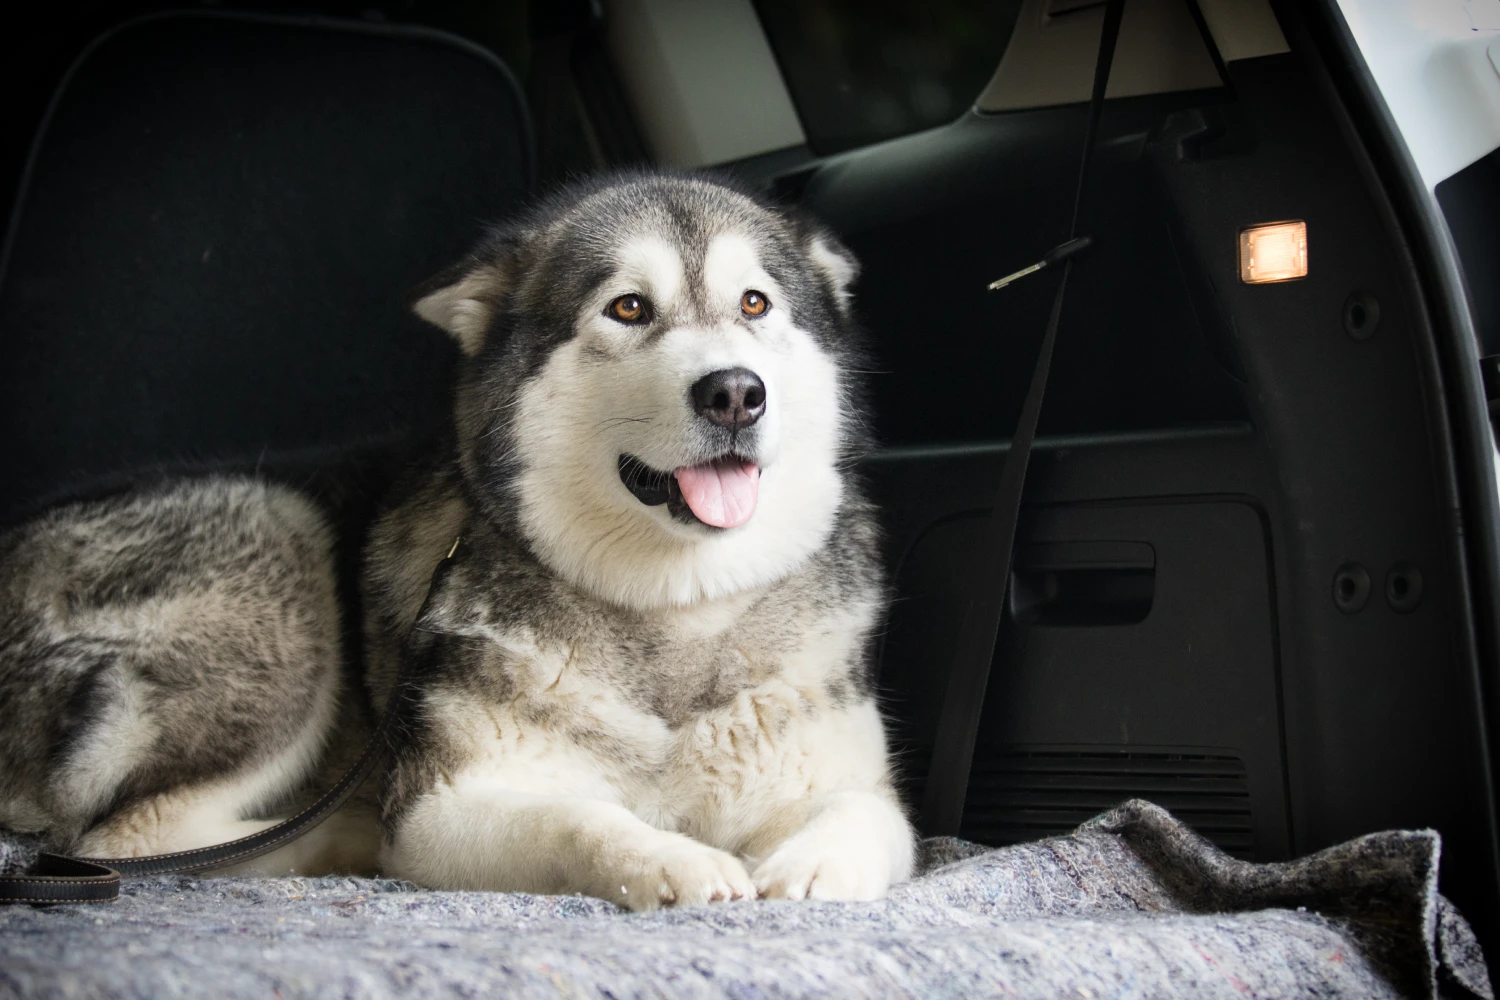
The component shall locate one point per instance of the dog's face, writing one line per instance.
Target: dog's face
(657, 386)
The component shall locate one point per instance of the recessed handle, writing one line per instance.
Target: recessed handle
(1093, 583)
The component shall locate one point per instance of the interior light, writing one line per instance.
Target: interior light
(1276, 251)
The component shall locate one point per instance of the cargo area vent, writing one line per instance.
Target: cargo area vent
(1023, 794)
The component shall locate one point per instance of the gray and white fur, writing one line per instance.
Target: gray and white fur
(169, 665)
(644, 676)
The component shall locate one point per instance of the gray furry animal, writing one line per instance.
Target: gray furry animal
(169, 665)
(644, 676)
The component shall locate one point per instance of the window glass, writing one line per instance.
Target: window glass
(860, 71)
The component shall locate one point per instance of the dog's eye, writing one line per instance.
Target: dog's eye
(753, 303)
(630, 308)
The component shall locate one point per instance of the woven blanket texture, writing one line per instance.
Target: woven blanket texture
(1132, 904)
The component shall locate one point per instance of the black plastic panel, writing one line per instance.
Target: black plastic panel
(1198, 670)
(1341, 445)
(935, 217)
(1381, 711)
(1021, 793)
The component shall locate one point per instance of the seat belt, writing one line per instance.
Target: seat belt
(963, 700)
(58, 878)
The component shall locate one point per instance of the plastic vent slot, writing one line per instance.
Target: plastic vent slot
(1024, 794)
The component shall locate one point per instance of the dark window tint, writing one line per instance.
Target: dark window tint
(1470, 200)
(865, 70)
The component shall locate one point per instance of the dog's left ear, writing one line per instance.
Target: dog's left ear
(464, 299)
(834, 261)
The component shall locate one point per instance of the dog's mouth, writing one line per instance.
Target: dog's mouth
(720, 494)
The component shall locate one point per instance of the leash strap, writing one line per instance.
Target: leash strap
(958, 725)
(57, 878)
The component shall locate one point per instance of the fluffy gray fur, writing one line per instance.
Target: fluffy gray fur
(169, 664)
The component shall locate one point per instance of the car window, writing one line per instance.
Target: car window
(860, 71)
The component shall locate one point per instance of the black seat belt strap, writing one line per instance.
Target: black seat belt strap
(958, 725)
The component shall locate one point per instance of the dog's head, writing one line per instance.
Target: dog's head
(657, 389)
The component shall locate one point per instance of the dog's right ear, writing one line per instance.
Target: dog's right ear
(464, 298)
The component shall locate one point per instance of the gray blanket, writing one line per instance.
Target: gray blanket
(1132, 904)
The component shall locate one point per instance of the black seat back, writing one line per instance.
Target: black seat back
(211, 254)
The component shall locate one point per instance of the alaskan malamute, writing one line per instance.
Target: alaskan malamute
(644, 674)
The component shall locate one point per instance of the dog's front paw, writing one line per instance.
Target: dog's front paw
(809, 866)
(683, 872)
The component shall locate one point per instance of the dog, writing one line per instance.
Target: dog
(622, 616)
(645, 674)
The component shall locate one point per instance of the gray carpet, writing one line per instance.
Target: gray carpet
(1132, 904)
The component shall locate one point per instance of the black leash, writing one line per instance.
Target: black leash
(958, 725)
(58, 878)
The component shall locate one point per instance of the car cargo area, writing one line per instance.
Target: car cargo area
(1248, 583)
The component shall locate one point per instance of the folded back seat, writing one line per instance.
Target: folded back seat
(211, 254)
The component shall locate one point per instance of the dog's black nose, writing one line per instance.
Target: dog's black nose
(733, 398)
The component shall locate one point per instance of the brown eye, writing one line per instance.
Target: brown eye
(753, 303)
(629, 309)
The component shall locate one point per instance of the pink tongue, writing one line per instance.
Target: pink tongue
(721, 493)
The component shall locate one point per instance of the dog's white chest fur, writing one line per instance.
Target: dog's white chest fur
(705, 728)
(716, 723)
(749, 727)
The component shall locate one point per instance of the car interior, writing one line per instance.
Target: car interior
(1244, 585)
